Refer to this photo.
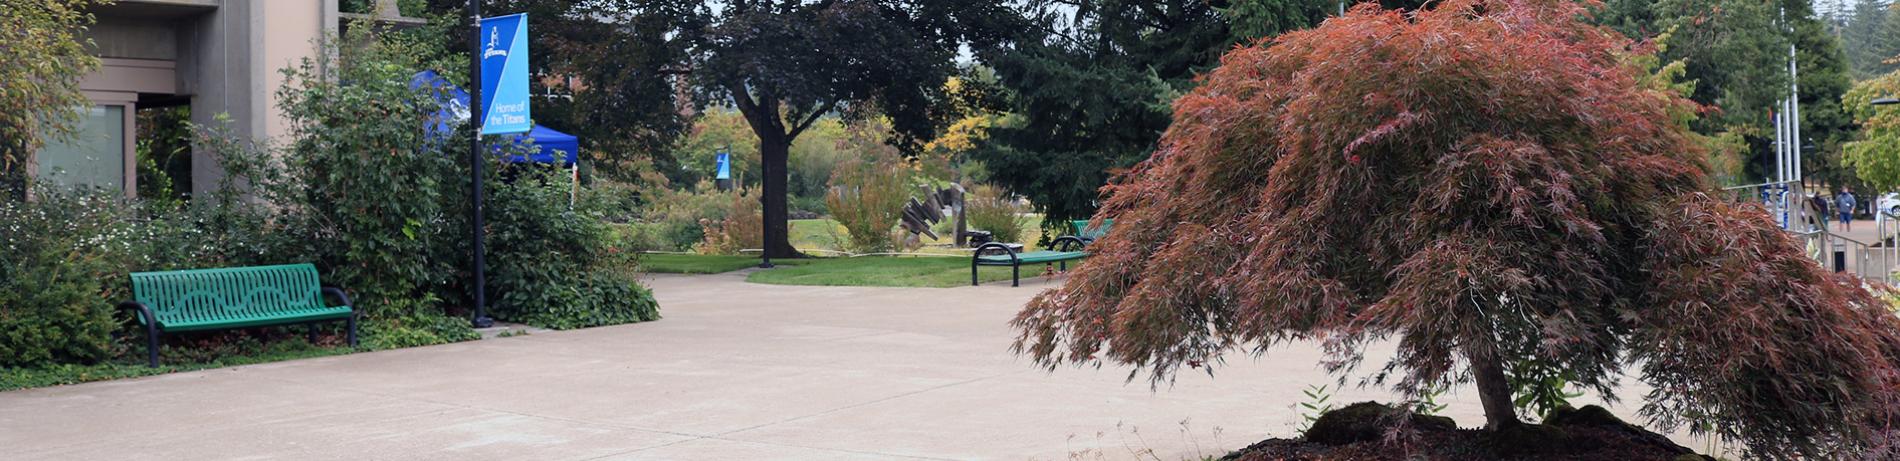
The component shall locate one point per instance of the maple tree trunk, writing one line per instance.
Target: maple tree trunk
(1494, 389)
(773, 152)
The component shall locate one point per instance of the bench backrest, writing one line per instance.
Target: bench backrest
(228, 293)
(1083, 231)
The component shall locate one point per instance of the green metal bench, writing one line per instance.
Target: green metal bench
(1089, 234)
(1061, 251)
(237, 297)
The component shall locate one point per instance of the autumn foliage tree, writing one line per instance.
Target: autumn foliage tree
(1490, 184)
(37, 94)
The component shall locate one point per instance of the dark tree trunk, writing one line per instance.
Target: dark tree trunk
(1494, 389)
(774, 149)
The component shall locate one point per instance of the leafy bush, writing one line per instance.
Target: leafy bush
(799, 207)
(58, 255)
(418, 324)
(814, 157)
(868, 198)
(378, 203)
(551, 258)
(742, 229)
(676, 218)
(991, 209)
(68, 252)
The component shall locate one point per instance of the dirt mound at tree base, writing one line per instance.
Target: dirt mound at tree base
(1360, 432)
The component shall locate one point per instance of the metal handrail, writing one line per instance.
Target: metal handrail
(1776, 183)
(1871, 262)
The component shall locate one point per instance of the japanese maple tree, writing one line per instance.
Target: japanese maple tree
(1493, 185)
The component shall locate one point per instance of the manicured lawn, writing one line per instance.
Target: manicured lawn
(695, 264)
(876, 271)
(825, 234)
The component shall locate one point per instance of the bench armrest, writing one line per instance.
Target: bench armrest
(1012, 253)
(139, 309)
(340, 295)
(1068, 243)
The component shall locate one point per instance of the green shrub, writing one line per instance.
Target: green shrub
(417, 327)
(676, 217)
(552, 261)
(59, 254)
(378, 205)
(868, 199)
(806, 207)
(641, 236)
(991, 209)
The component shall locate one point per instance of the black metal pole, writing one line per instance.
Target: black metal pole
(481, 319)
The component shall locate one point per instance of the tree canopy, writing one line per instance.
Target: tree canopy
(1736, 54)
(1876, 156)
(1491, 184)
(784, 64)
(1090, 87)
(38, 93)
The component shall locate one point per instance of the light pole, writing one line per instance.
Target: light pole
(475, 116)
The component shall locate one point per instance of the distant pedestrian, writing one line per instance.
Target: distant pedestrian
(1846, 203)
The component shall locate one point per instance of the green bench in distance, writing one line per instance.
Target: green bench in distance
(1063, 250)
(1089, 234)
(236, 297)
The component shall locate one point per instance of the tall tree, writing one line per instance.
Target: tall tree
(1090, 95)
(1864, 39)
(1490, 184)
(1736, 53)
(786, 63)
(1875, 156)
(39, 85)
(1825, 75)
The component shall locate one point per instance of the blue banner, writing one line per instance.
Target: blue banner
(724, 166)
(505, 75)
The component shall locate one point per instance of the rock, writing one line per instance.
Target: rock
(1593, 416)
(1529, 439)
(1589, 415)
(1369, 421)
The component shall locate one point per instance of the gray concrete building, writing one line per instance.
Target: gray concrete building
(216, 56)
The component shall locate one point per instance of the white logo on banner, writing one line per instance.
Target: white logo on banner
(494, 42)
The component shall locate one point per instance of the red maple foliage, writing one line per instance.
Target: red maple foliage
(1490, 184)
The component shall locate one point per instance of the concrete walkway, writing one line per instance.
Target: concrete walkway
(734, 371)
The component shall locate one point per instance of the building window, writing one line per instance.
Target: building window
(96, 156)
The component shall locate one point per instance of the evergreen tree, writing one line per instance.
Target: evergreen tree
(1091, 95)
(1864, 38)
(1736, 54)
(1825, 75)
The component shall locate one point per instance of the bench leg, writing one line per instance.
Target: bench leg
(151, 345)
(973, 272)
(1065, 265)
(1015, 275)
(351, 335)
(310, 332)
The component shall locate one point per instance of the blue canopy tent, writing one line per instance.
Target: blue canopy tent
(553, 146)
